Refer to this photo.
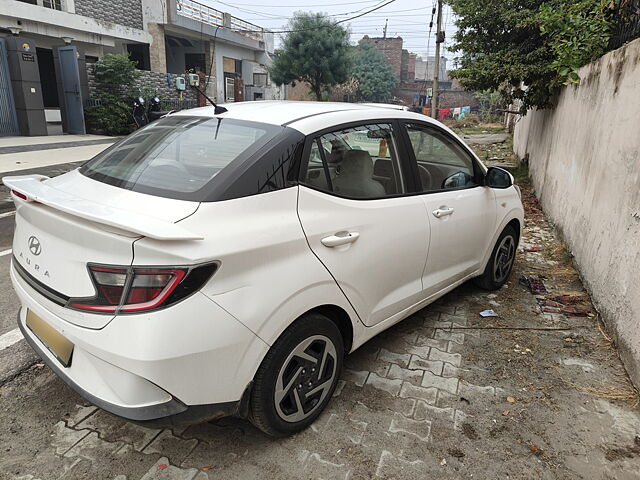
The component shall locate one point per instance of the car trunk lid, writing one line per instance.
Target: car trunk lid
(70, 221)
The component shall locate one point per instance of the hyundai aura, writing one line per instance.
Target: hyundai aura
(215, 264)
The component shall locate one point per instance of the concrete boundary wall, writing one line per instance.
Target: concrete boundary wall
(584, 159)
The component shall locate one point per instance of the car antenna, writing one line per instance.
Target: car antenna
(218, 127)
(217, 108)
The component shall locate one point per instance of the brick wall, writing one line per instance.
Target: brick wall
(299, 92)
(391, 49)
(404, 66)
(449, 98)
(121, 12)
(458, 98)
(155, 81)
(411, 68)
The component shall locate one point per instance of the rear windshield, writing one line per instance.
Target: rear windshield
(177, 156)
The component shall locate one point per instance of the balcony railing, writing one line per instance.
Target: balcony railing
(211, 16)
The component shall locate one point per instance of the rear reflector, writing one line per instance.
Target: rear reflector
(19, 195)
(137, 289)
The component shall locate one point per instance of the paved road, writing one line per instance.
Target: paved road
(485, 139)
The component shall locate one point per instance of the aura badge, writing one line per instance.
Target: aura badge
(34, 245)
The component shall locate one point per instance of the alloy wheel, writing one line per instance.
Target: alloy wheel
(305, 379)
(504, 259)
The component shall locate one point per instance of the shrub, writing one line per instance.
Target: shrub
(115, 76)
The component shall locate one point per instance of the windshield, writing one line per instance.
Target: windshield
(177, 156)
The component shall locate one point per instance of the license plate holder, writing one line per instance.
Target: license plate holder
(57, 344)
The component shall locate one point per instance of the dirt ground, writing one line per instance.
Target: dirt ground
(535, 392)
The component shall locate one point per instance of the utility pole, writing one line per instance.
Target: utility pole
(384, 35)
(436, 66)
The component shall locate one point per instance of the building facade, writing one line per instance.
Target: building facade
(168, 38)
(401, 60)
(425, 68)
(407, 66)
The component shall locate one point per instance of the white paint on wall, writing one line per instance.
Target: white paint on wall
(584, 159)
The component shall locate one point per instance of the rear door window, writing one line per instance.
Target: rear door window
(358, 162)
(177, 156)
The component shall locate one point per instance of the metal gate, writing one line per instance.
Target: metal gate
(8, 118)
(73, 111)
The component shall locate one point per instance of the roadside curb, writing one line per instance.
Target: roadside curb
(56, 146)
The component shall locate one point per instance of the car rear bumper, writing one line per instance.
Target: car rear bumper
(169, 413)
(165, 368)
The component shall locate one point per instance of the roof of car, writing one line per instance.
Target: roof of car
(284, 112)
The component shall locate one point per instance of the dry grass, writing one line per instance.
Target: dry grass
(622, 392)
(599, 324)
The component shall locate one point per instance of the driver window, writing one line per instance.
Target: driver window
(442, 163)
(357, 162)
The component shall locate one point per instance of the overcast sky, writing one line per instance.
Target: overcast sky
(406, 18)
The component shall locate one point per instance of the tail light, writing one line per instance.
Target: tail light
(138, 289)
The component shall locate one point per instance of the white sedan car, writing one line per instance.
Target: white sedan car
(224, 264)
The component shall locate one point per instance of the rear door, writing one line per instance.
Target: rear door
(462, 213)
(359, 221)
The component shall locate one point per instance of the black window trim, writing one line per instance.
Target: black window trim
(323, 157)
(408, 173)
(478, 171)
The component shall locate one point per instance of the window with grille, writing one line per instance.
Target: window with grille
(259, 79)
(55, 4)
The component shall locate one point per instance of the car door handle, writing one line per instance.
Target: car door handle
(340, 238)
(442, 211)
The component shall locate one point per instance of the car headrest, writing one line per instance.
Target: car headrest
(358, 163)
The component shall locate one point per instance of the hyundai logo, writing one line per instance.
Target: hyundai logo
(34, 245)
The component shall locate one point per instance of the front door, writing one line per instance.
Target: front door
(69, 76)
(371, 237)
(8, 119)
(462, 213)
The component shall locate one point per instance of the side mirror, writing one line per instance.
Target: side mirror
(498, 178)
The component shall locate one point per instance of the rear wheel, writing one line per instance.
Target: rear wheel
(297, 377)
(501, 261)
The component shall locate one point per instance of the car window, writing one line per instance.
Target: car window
(178, 155)
(442, 163)
(357, 162)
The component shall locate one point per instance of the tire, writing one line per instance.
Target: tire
(292, 385)
(501, 261)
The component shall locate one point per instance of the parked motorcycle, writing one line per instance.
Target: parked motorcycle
(139, 112)
(154, 111)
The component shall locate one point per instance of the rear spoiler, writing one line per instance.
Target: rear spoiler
(36, 190)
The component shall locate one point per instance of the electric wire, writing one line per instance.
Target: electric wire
(243, 30)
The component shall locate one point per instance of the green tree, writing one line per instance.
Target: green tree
(375, 76)
(578, 33)
(115, 77)
(527, 48)
(314, 51)
(490, 102)
(116, 73)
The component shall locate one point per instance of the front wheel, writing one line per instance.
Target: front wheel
(297, 376)
(501, 261)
